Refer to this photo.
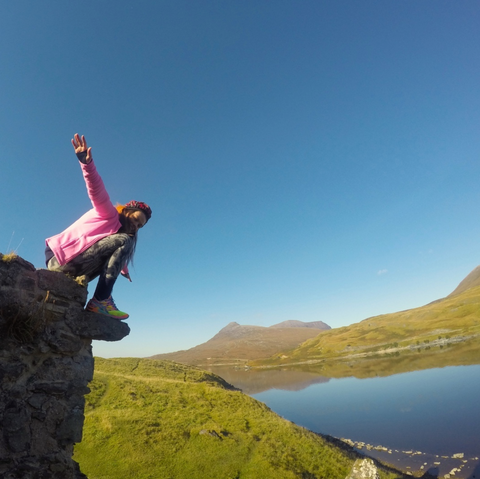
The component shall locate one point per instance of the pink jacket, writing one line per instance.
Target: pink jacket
(97, 223)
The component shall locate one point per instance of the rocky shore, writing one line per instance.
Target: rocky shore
(421, 464)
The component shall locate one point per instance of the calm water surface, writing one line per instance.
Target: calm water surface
(436, 411)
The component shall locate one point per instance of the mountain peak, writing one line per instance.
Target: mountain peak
(238, 343)
(294, 323)
(230, 326)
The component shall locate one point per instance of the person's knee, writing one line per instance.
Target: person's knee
(126, 242)
(124, 248)
(123, 239)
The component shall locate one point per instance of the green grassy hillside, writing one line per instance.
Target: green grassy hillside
(444, 323)
(160, 420)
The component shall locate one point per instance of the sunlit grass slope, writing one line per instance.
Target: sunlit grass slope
(442, 323)
(158, 419)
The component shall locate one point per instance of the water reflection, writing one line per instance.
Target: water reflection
(252, 381)
(434, 411)
(464, 354)
(296, 377)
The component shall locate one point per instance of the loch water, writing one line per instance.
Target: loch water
(435, 411)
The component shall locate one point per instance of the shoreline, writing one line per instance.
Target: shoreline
(418, 464)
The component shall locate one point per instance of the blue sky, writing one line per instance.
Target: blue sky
(306, 160)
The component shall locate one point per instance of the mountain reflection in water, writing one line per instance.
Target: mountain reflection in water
(254, 381)
(297, 377)
(434, 410)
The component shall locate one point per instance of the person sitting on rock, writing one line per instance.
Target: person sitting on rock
(100, 243)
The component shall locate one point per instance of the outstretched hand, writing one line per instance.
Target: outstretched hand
(81, 148)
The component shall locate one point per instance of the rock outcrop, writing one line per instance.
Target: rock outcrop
(364, 469)
(46, 364)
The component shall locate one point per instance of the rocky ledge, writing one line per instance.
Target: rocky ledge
(46, 364)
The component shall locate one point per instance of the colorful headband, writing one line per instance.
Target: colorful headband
(138, 205)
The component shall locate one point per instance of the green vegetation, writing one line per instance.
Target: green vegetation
(7, 258)
(447, 322)
(158, 419)
(23, 322)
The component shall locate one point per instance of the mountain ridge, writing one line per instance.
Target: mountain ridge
(449, 321)
(294, 323)
(453, 316)
(236, 344)
(470, 281)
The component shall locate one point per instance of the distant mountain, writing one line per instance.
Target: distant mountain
(236, 344)
(293, 323)
(430, 328)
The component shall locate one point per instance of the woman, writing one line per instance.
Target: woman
(100, 243)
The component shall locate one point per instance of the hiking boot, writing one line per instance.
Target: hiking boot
(106, 307)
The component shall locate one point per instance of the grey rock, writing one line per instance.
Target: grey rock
(70, 430)
(51, 387)
(46, 364)
(61, 286)
(100, 327)
(364, 469)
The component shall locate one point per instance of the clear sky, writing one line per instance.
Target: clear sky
(309, 160)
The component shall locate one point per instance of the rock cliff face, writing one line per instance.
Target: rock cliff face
(46, 364)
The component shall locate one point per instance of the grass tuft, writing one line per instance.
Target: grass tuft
(22, 322)
(7, 258)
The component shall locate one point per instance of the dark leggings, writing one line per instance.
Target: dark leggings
(106, 258)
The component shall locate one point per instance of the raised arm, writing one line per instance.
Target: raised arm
(95, 188)
(84, 154)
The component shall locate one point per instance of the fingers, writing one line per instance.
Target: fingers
(79, 142)
(76, 141)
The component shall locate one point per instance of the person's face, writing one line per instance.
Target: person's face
(136, 219)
